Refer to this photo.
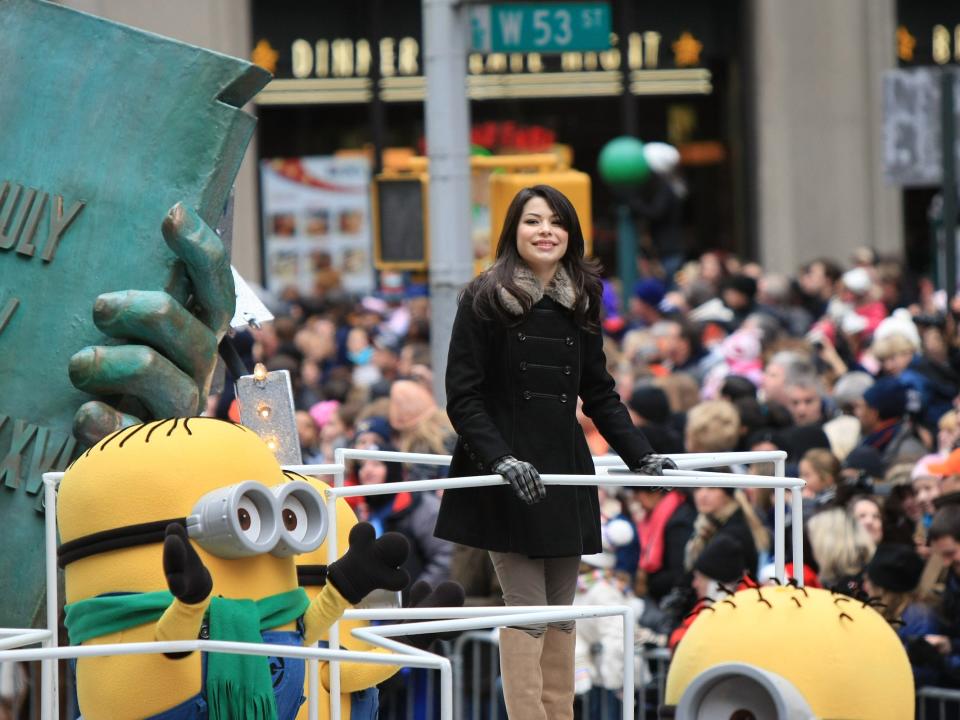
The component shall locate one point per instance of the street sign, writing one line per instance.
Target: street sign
(540, 27)
(912, 126)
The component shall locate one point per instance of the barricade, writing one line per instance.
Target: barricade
(13, 641)
(935, 703)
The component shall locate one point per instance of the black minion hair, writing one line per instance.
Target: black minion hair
(182, 423)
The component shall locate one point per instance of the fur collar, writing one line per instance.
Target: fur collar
(560, 289)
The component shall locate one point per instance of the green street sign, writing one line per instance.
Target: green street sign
(541, 28)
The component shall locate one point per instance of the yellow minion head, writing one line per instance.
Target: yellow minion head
(244, 514)
(835, 654)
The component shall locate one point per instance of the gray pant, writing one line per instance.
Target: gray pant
(530, 581)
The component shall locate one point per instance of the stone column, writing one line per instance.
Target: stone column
(818, 68)
(223, 26)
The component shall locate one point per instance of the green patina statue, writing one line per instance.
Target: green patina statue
(117, 152)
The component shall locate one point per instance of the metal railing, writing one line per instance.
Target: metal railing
(14, 640)
(934, 703)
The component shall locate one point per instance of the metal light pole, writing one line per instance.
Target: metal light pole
(622, 165)
(447, 116)
(949, 142)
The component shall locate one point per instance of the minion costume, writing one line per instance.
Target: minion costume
(790, 652)
(131, 510)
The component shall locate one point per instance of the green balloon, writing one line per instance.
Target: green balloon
(622, 162)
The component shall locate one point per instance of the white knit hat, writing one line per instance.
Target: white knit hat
(857, 281)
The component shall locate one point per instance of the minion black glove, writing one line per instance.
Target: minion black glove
(370, 564)
(523, 477)
(446, 594)
(187, 577)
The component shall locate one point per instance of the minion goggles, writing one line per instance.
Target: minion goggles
(232, 522)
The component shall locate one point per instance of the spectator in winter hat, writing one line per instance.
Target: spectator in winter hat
(896, 568)
(738, 293)
(891, 579)
(858, 292)
(861, 469)
(948, 470)
(651, 412)
(934, 383)
(371, 430)
(719, 570)
(723, 561)
(645, 303)
(883, 425)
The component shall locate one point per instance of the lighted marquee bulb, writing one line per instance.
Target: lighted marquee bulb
(272, 442)
(264, 410)
(260, 372)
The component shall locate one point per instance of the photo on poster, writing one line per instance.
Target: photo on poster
(351, 221)
(285, 268)
(317, 223)
(283, 225)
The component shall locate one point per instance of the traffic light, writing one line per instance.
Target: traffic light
(401, 234)
(572, 183)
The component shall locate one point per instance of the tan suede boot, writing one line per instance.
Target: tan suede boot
(520, 671)
(557, 667)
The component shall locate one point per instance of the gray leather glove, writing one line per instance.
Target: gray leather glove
(523, 477)
(653, 464)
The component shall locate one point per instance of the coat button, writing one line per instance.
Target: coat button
(523, 366)
(563, 397)
(567, 369)
(569, 341)
(521, 337)
(473, 456)
(527, 395)
(479, 466)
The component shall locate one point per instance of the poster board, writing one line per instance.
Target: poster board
(316, 223)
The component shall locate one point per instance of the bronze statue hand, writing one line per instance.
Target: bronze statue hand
(169, 362)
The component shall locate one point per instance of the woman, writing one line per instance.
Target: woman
(421, 426)
(820, 469)
(665, 528)
(410, 514)
(525, 344)
(841, 548)
(725, 511)
(866, 511)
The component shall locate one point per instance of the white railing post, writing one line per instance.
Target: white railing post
(779, 523)
(50, 670)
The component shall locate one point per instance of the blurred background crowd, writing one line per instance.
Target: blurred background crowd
(852, 370)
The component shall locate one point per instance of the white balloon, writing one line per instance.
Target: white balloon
(661, 157)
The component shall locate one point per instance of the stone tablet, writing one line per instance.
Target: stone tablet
(102, 129)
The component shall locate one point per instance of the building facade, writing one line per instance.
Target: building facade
(776, 106)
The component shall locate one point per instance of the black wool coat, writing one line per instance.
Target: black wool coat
(512, 390)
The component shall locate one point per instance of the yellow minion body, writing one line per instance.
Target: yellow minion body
(148, 474)
(839, 653)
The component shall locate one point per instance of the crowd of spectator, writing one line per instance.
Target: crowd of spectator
(853, 371)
